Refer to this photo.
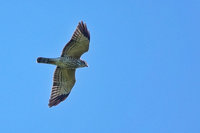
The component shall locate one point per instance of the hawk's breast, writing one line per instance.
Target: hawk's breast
(69, 62)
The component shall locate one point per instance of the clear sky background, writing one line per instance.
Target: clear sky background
(143, 74)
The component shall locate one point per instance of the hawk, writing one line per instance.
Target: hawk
(67, 63)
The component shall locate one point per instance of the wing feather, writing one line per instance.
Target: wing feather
(79, 42)
(63, 82)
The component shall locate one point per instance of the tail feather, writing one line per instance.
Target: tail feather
(45, 60)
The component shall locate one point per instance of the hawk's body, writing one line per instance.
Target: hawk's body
(64, 75)
(65, 62)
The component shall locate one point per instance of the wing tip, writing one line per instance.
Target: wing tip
(55, 101)
(83, 28)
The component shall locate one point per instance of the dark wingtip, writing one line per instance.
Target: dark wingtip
(57, 100)
(83, 28)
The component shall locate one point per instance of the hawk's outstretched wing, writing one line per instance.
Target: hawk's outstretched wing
(79, 42)
(63, 81)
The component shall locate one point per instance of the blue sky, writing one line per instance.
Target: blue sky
(143, 74)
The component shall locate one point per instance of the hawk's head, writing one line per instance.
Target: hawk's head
(83, 64)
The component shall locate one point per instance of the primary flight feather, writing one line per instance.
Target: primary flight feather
(64, 75)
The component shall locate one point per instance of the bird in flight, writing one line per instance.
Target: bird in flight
(67, 63)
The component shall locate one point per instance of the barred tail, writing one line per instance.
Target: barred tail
(45, 60)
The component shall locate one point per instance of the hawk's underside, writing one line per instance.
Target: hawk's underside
(64, 77)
